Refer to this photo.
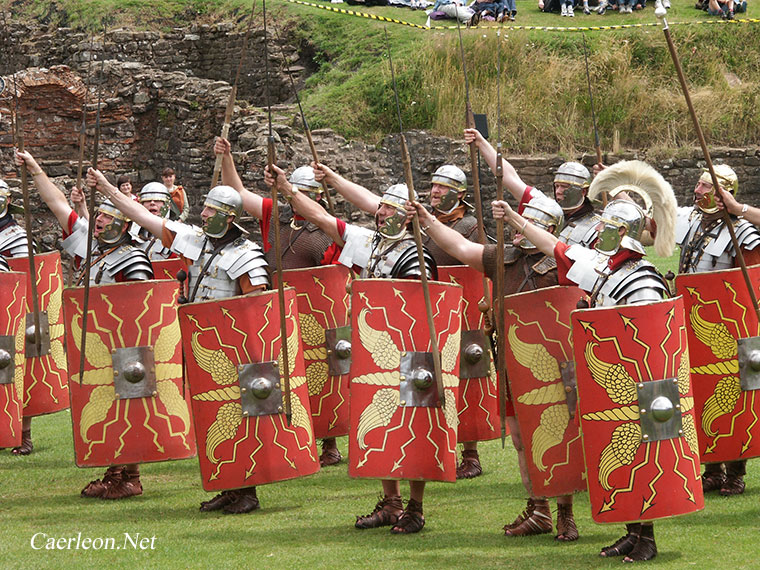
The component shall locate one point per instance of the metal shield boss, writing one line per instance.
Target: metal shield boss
(46, 378)
(724, 342)
(130, 405)
(541, 372)
(12, 361)
(399, 428)
(478, 401)
(637, 411)
(322, 294)
(233, 353)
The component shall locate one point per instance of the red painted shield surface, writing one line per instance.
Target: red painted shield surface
(237, 448)
(322, 310)
(116, 427)
(540, 365)
(46, 378)
(390, 438)
(621, 353)
(719, 313)
(478, 402)
(168, 268)
(12, 361)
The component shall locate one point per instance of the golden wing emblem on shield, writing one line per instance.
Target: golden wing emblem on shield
(215, 362)
(550, 432)
(614, 378)
(715, 335)
(621, 450)
(534, 357)
(377, 414)
(228, 419)
(379, 344)
(723, 401)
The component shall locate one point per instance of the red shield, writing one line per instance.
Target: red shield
(130, 405)
(12, 361)
(168, 268)
(478, 403)
(46, 379)
(721, 319)
(637, 412)
(540, 367)
(395, 437)
(239, 448)
(323, 315)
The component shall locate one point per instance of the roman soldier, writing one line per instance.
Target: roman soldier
(114, 260)
(706, 246)
(387, 252)
(303, 243)
(616, 273)
(155, 197)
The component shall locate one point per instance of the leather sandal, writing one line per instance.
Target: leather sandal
(625, 544)
(713, 480)
(387, 512)
(26, 446)
(566, 529)
(732, 485)
(96, 489)
(470, 466)
(411, 520)
(539, 521)
(128, 486)
(645, 548)
(330, 455)
(246, 502)
(522, 516)
(219, 501)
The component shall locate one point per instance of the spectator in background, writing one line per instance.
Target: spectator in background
(722, 8)
(180, 205)
(443, 9)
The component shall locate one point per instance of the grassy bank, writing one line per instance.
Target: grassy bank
(544, 98)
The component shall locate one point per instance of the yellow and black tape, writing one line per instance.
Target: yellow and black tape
(508, 27)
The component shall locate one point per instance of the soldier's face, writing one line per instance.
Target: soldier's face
(701, 190)
(101, 222)
(154, 206)
(559, 190)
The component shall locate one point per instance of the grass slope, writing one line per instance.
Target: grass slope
(309, 522)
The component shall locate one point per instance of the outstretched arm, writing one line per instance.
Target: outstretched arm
(449, 240)
(129, 207)
(303, 205)
(539, 237)
(358, 195)
(252, 202)
(49, 192)
(512, 180)
(726, 200)
(79, 200)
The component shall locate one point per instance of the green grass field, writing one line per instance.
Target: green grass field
(309, 522)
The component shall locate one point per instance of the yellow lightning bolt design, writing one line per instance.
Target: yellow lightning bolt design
(670, 317)
(710, 448)
(255, 451)
(126, 430)
(105, 427)
(116, 317)
(215, 475)
(628, 323)
(159, 447)
(242, 333)
(563, 463)
(260, 334)
(159, 323)
(566, 324)
(587, 326)
(385, 440)
(431, 440)
(403, 310)
(690, 459)
(364, 298)
(278, 444)
(234, 349)
(295, 436)
(328, 298)
(169, 424)
(743, 308)
(608, 506)
(482, 399)
(8, 395)
(412, 437)
(334, 389)
(145, 309)
(540, 328)
(692, 291)
(681, 475)
(647, 504)
(750, 434)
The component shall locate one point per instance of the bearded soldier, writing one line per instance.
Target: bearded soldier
(303, 243)
(387, 252)
(221, 263)
(114, 260)
(706, 245)
(615, 273)
(447, 202)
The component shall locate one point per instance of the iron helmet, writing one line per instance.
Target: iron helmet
(158, 192)
(578, 178)
(114, 230)
(455, 180)
(226, 201)
(544, 213)
(303, 179)
(621, 213)
(395, 196)
(728, 181)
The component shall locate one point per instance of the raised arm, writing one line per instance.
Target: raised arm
(358, 195)
(539, 237)
(512, 180)
(448, 239)
(50, 193)
(252, 202)
(79, 201)
(303, 205)
(129, 207)
(726, 200)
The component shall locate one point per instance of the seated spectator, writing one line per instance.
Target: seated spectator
(452, 9)
(722, 8)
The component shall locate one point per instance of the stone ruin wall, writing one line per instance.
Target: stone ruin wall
(159, 112)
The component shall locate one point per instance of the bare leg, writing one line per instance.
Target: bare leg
(412, 520)
(387, 511)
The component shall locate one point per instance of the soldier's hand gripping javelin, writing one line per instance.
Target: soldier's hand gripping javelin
(539, 237)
